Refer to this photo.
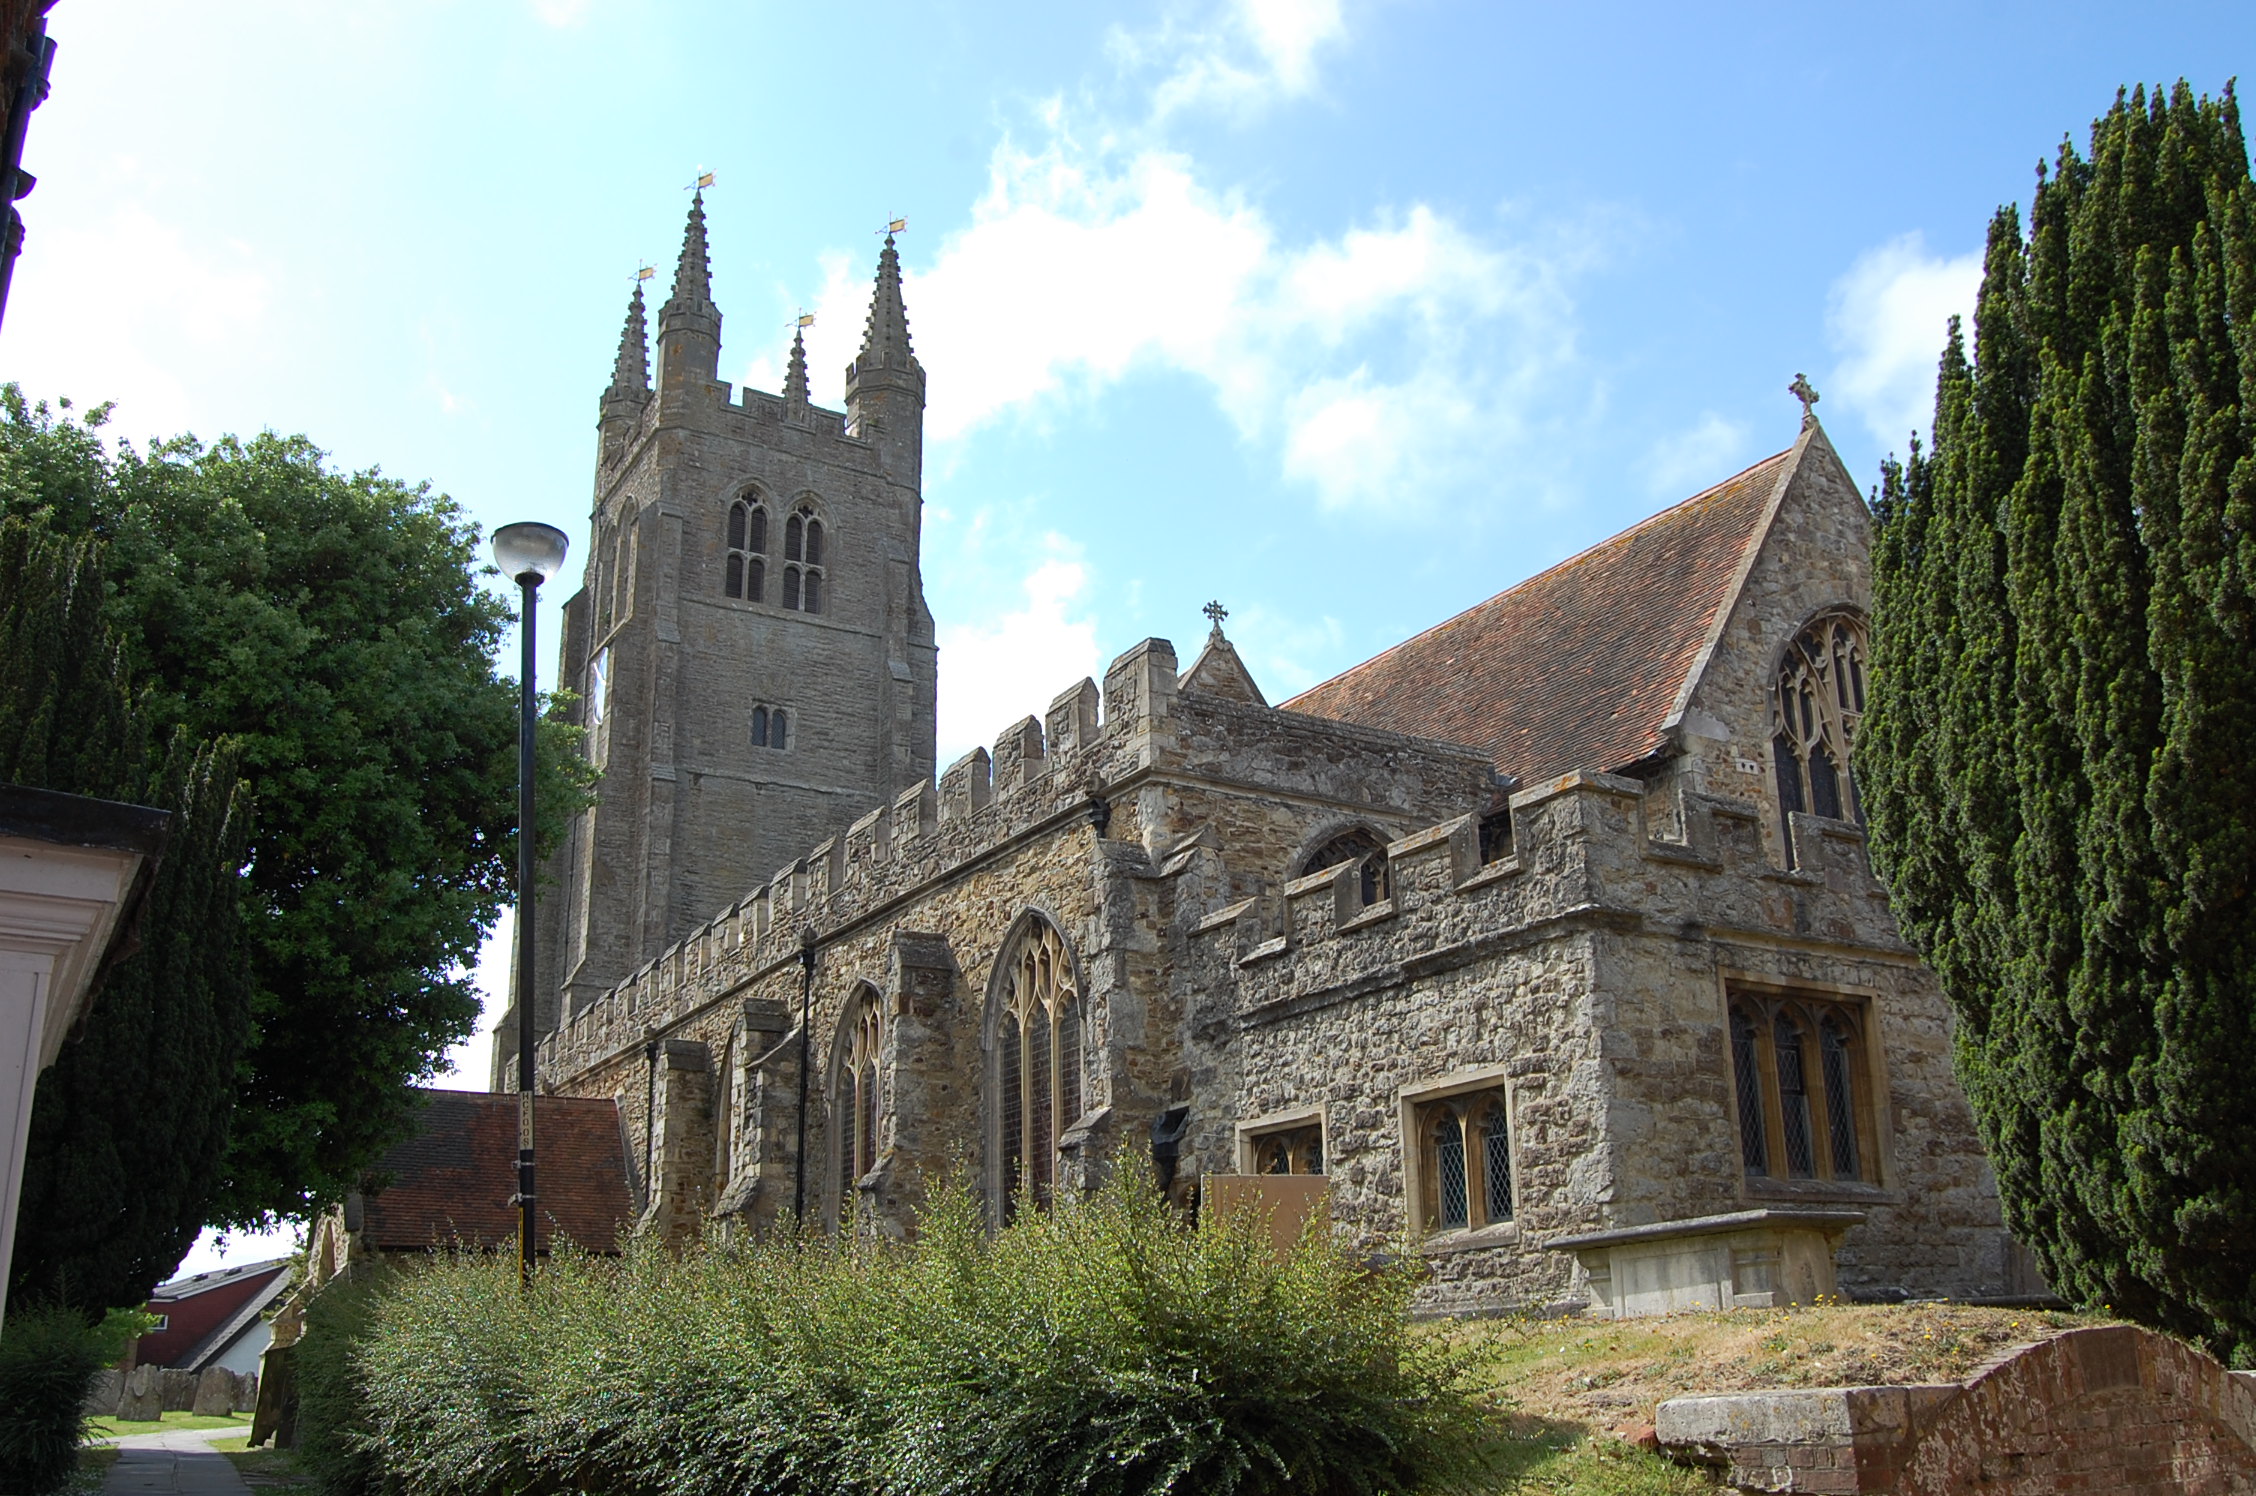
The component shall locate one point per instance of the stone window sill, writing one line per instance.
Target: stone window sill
(1828, 1190)
(1485, 1238)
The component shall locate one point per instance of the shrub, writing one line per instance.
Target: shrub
(1102, 1348)
(49, 1358)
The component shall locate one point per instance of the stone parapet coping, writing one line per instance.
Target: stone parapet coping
(1709, 1225)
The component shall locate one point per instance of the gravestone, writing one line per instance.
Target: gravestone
(179, 1390)
(246, 1392)
(215, 1393)
(109, 1386)
(143, 1401)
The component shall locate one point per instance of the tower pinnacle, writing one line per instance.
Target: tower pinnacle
(795, 373)
(885, 340)
(693, 272)
(689, 325)
(630, 371)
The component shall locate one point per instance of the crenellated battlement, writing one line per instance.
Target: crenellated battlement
(1039, 773)
(1583, 847)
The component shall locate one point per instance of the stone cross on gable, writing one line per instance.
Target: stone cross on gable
(1215, 613)
(1802, 390)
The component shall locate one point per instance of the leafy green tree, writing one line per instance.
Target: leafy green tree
(129, 1125)
(333, 626)
(2057, 761)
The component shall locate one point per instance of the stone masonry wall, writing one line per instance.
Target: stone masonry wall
(919, 901)
(1588, 970)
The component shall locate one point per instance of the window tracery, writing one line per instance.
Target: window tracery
(1039, 1073)
(1799, 1082)
(1290, 1150)
(1814, 717)
(856, 1106)
(1361, 846)
(745, 571)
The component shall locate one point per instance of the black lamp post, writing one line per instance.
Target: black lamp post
(529, 554)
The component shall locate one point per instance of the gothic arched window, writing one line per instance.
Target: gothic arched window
(1797, 1078)
(855, 1106)
(1814, 720)
(745, 572)
(1361, 846)
(1039, 1066)
(803, 565)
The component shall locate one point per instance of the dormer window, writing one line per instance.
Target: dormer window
(745, 570)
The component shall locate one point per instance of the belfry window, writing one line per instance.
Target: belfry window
(1465, 1161)
(745, 571)
(803, 566)
(1038, 1072)
(1799, 1078)
(1361, 847)
(1814, 720)
(771, 727)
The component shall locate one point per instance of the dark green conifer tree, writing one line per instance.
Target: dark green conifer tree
(2057, 761)
(129, 1125)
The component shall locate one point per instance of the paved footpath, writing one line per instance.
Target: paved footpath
(178, 1460)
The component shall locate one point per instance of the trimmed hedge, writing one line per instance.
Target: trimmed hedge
(49, 1358)
(1103, 1348)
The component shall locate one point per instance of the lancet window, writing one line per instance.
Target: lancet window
(1038, 1072)
(1799, 1084)
(1814, 720)
(771, 727)
(745, 571)
(804, 569)
(1365, 849)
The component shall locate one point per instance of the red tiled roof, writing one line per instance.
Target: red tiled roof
(453, 1179)
(1576, 667)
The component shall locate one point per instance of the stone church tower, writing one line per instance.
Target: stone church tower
(750, 642)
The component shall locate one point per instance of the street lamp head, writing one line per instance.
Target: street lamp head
(529, 552)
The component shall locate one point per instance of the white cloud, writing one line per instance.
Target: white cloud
(1889, 316)
(1239, 57)
(1377, 362)
(993, 673)
(122, 305)
(1700, 454)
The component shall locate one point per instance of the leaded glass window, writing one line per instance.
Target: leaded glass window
(1799, 1088)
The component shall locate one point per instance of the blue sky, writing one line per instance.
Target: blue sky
(1347, 312)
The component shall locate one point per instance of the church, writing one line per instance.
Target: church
(1544, 946)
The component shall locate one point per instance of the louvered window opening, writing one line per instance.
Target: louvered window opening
(744, 571)
(1798, 1067)
(804, 570)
